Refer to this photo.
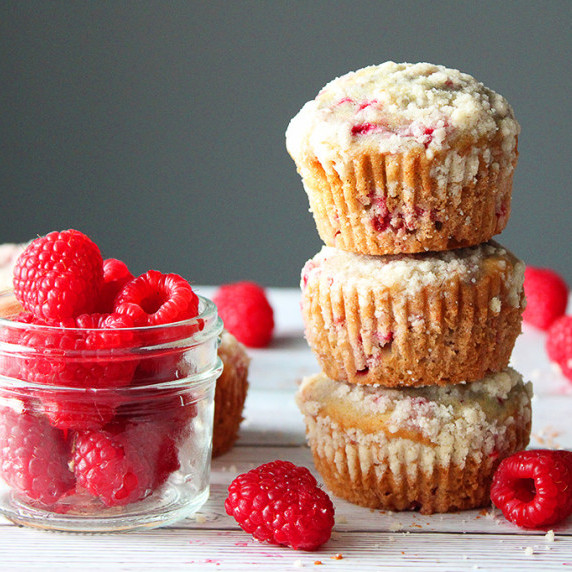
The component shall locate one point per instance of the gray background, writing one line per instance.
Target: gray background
(158, 127)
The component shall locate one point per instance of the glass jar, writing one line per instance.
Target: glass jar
(106, 430)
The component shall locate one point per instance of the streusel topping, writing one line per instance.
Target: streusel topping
(412, 272)
(395, 107)
(433, 413)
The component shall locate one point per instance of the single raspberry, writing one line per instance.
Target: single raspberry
(546, 296)
(534, 488)
(34, 456)
(115, 275)
(281, 503)
(124, 463)
(59, 275)
(153, 299)
(246, 313)
(559, 344)
(90, 353)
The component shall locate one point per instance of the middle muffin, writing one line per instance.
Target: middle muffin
(413, 320)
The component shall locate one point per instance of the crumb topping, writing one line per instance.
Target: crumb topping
(394, 107)
(412, 272)
(459, 416)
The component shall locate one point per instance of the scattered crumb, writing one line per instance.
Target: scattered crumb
(298, 564)
(549, 536)
(318, 563)
(529, 551)
(337, 557)
(546, 437)
(395, 526)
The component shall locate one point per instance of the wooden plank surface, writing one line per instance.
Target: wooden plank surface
(363, 539)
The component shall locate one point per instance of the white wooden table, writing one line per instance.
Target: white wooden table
(363, 539)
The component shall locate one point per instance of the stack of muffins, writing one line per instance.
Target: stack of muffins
(410, 308)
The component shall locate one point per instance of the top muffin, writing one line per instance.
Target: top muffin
(394, 107)
(412, 144)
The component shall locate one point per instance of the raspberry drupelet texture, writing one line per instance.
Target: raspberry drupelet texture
(546, 296)
(246, 313)
(281, 503)
(115, 275)
(59, 275)
(154, 298)
(534, 488)
(559, 344)
(34, 456)
(124, 463)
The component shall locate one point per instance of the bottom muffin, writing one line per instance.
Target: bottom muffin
(433, 449)
(230, 393)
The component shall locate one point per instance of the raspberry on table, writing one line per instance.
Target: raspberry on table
(534, 488)
(281, 503)
(34, 456)
(154, 298)
(59, 275)
(115, 275)
(559, 344)
(124, 463)
(246, 313)
(546, 296)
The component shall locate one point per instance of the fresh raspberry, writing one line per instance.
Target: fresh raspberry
(59, 275)
(281, 503)
(534, 488)
(559, 344)
(10, 363)
(124, 464)
(34, 456)
(91, 353)
(246, 313)
(153, 299)
(115, 275)
(546, 296)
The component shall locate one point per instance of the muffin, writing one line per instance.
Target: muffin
(434, 449)
(403, 158)
(412, 320)
(230, 393)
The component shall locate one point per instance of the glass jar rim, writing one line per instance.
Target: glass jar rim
(207, 312)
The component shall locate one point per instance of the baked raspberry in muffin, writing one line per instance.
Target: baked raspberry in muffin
(429, 448)
(401, 158)
(230, 393)
(411, 320)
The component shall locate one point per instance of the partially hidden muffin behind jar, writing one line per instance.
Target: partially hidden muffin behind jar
(433, 449)
(230, 393)
(401, 158)
(413, 320)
